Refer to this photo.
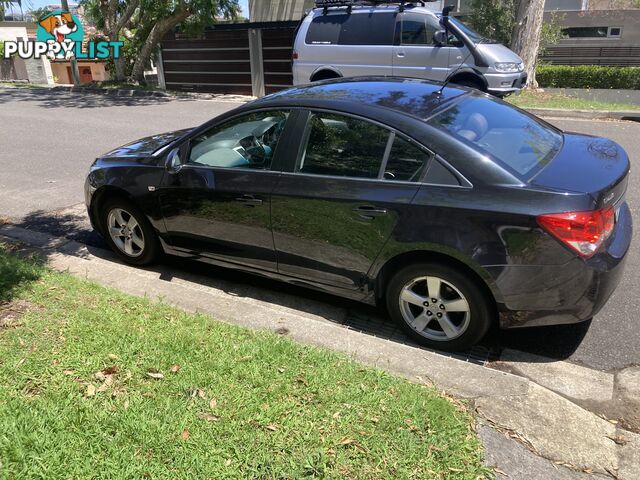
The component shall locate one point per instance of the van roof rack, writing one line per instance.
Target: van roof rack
(325, 4)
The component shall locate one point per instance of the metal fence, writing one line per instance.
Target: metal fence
(251, 59)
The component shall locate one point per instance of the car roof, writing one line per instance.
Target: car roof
(412, 97)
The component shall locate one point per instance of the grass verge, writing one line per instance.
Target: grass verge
(98, 384)
(531, 99)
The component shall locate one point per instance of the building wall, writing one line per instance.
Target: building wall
(61, 73)
(628, 20)
(278, 10)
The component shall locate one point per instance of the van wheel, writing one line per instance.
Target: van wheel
(129, 233)
(438, 306)
(324, 75)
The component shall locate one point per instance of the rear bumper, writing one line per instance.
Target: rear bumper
(563, 294)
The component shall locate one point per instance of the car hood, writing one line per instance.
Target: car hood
(146, 146)
(496, 52)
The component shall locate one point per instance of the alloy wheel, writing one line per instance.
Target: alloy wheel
(434, 308)
(125, 232)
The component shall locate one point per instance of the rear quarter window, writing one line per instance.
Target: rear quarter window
(353, 29)
(516, 140)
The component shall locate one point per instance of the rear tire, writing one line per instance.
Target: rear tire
(128, 232)
(438, 306)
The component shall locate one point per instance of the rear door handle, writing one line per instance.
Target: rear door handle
(249, 200)
(369, 212)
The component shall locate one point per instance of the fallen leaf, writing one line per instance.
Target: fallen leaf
(91, 390)
(347, 441)
(185, 434)
(209, 417)
(213, 404)
(111, 356)
(336, 415)
(110, 370)
(618, 439)
(155, 375)
(228, 462)
(281, 370)
(125, 405)
(148, 394)
(272, 427)
(101, 377)
(68, 372)
(175, 368)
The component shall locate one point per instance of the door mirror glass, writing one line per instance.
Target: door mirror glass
(440, 37)
(174, 164)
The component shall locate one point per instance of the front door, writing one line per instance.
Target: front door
(218, 204)
(416, 53)
(352, 183)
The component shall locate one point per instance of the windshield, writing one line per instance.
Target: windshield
(518, 141)
(473, 36)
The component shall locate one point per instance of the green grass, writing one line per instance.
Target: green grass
(77, 399)
(530, 99)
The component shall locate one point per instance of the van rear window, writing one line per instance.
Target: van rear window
(353, 29)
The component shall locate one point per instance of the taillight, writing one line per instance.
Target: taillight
(583, 232)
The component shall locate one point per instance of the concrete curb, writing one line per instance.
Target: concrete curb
(117, 92)
(548, 423)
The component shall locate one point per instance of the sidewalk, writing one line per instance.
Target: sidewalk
(528, 430)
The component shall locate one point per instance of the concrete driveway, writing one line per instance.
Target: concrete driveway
(48, 139)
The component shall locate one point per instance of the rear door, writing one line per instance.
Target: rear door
(416, 53)
(351, 184)
(218, 204)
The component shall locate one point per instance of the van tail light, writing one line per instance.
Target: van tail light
(583, 232)
(294, 56)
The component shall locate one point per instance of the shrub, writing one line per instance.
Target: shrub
(588, 76)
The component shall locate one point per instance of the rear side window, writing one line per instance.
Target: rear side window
(520, 142)
(343, 146)
(352, 29)
(406, 162)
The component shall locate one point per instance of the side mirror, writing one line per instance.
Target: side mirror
(173, 163)
(440, 37)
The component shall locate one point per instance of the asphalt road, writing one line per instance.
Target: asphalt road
(48, 140)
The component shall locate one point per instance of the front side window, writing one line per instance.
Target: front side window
(343, 146)
(246, 142)
(418, 30)
(517, 140)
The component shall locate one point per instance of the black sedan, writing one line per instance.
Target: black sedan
(452, 208)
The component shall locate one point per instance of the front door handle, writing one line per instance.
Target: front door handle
(400, 54)
(249, 200)
(369, 212)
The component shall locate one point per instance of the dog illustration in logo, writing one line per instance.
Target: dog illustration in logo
(59, 26)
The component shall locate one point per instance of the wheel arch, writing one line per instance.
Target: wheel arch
(102, 195)
(325, 72)
(471, 76)
(394, 264)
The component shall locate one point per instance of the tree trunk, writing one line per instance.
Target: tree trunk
(158, 31)
(526, 36)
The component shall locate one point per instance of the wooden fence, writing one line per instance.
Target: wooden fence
(250, 58)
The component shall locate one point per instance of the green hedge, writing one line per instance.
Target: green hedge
(588, 76)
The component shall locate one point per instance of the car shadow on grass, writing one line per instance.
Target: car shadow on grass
(549, 343)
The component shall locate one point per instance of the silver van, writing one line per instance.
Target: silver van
(345, 38)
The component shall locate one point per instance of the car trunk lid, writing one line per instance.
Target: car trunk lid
(592, 165)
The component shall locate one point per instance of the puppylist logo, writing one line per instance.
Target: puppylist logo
(59, 37)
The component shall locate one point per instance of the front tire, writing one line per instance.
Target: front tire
(129, 233)
(438, 306)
